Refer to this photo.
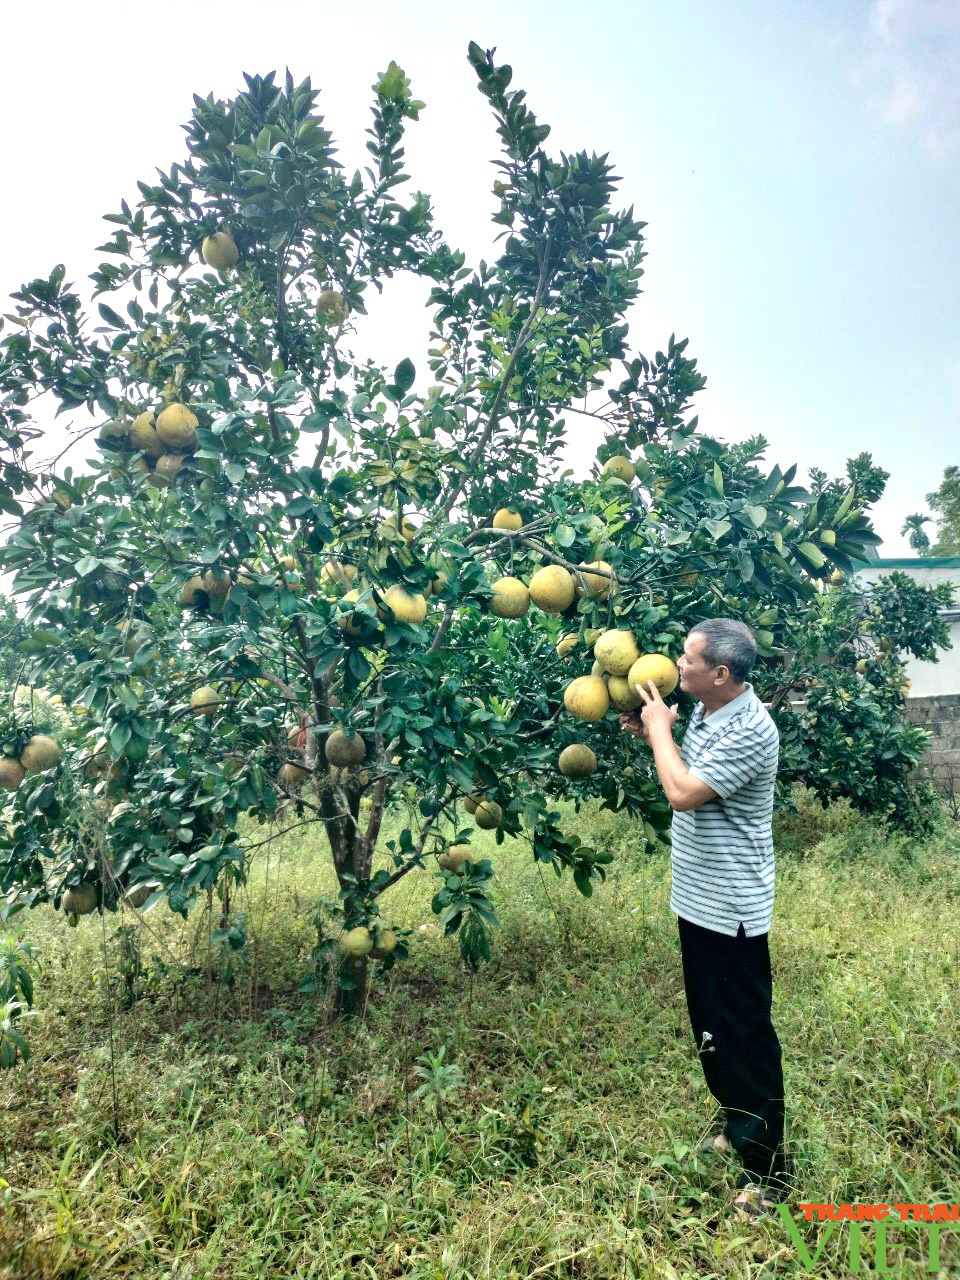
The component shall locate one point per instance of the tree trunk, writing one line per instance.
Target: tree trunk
(348, 855)
(350, 1002)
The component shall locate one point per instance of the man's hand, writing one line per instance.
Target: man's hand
(655, 715)
(631, 723)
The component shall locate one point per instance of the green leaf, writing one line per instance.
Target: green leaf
(718, 478)
(756, 514)
(393, 84)
(717, 528)
(404, 376)
(812, 554)
(565, 535)
(111, 316)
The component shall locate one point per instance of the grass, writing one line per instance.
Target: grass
(540, 1118)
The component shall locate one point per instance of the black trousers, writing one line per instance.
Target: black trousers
(729, 992)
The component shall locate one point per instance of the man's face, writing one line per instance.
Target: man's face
(696, 677)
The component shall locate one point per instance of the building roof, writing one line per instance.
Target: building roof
(910, 562)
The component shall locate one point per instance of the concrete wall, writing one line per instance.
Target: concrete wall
(930, 679)
(940, 716)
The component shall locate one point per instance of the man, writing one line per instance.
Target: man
(720, 787)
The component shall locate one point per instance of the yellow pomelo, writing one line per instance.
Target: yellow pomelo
(587, 698)
(552, 588)
(386, 946)
(511, 599)
(507, 518)
(595, 584)
(332, 307)
(488, 815)
(837, 577)
(437, 584)
(144, 438)
(79, 900)
(138, 895)
(216, 586)
(616, 651)
(204, 701)
(620, 467)
(167, 466)
(337, 576)
(566, 644)
(655, 667)
(177, 426)
(621, 695)
(12, 773)
(190, 591)
(441, 575)
(455, 857)
(577, 761)
(41, 752)
(220, 251)
(292, 776)
(96, 765)
(356, 942)
(407, 606)
(347, 621)
(343, 751)
(389, 528)
(290, 576)
(470, 802)
(113, 434)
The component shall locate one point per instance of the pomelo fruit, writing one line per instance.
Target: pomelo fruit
(220, 251)
(587, 698)
(510, 598)
(577, 761)
(655, 667)
(621, 468)
(552, 588)
(616, 651)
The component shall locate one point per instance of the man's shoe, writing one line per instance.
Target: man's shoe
(751, 1202)
(716, 1144)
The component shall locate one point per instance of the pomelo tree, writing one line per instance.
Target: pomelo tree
(293, 582)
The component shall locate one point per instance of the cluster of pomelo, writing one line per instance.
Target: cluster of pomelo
(220, 251)
(40, 752)
(155, 444)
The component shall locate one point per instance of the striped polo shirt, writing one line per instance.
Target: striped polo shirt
(722, 855)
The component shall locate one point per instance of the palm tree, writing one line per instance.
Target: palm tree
(913, 526)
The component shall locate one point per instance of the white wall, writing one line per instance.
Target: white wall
(929, 678)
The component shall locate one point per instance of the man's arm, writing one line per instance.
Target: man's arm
(682, 789)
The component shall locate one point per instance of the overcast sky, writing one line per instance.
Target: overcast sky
(796, 163)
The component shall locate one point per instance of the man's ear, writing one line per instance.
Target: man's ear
(723, 674)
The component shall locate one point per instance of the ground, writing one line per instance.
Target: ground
(208, 1131)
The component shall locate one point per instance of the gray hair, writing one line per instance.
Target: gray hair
(729, 643)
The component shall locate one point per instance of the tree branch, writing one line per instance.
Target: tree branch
(493, 418)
